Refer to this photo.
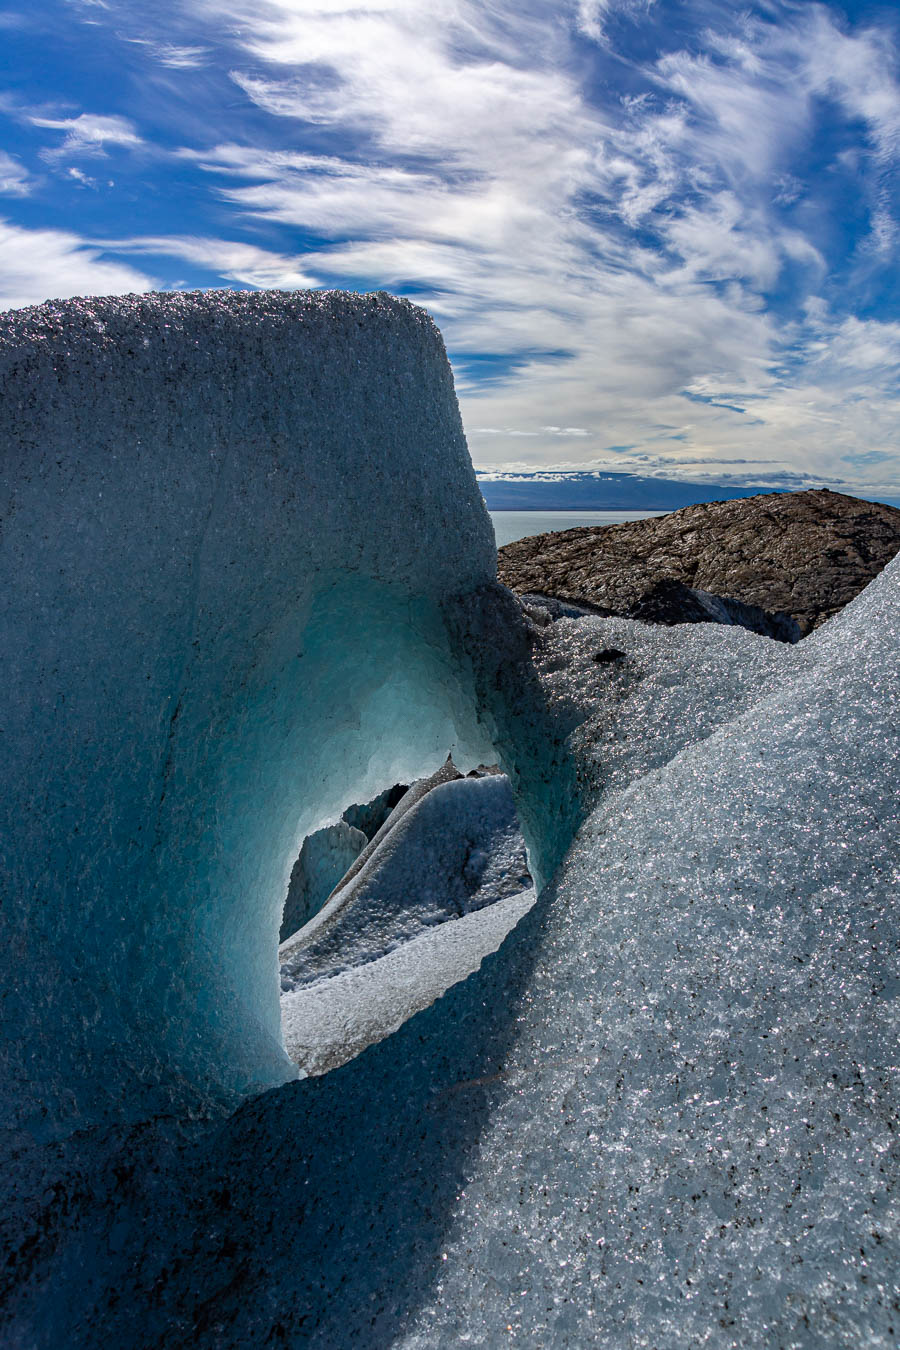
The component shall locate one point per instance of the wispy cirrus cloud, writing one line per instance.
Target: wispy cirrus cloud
(231, 260)
(594, 15)
(171, 55)
(618, 256)
(88, 134)
(181, 58)
(15, 180)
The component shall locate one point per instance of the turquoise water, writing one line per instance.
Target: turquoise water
(510, 525)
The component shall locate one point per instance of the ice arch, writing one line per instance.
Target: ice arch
(236, 528)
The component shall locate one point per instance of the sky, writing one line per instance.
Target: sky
(660, 237)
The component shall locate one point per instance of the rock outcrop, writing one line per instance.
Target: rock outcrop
(670, 602)
(799, 554)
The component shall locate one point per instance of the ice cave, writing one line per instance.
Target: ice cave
(248, 580)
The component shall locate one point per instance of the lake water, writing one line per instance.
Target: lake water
(511, 525)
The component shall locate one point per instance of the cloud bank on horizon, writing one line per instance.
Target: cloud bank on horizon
(659, 236)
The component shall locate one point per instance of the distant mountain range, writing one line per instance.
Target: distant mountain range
(589, 491)
(604, 492)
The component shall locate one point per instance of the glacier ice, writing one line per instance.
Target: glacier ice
(325, 856)
(457, 849)
(692, 1136)
(413, 794)
(368, 817)
(395, 923)
(663, 1112)
(329, 1022)
(230, 522)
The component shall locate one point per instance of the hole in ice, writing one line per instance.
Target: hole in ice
(392, 904)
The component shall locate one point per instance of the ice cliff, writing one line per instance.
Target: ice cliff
(229, 523)
(663, 1113)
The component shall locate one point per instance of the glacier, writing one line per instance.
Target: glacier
(664, 1110)
(445, 881)
(230, 523)
(325, 856)
(455, 850)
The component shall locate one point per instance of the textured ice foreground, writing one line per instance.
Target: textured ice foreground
(692, 1139)
(664, 1113)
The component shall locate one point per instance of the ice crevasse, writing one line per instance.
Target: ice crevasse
(663, 1113)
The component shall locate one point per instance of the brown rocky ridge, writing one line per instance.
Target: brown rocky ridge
(803, 555)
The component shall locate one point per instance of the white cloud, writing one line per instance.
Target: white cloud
(484, 178)
(181, 58)
(231, 260)
(724, 239)
(15, 180)
(742, 120)
(89, 134)
(36, 265)
(592, 14)
(171, 55)
(84, 179)
(503, 431)
(860, 71)
(302, 96)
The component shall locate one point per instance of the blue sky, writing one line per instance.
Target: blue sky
(659, 236)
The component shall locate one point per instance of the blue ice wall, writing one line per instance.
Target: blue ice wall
(229, 524)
